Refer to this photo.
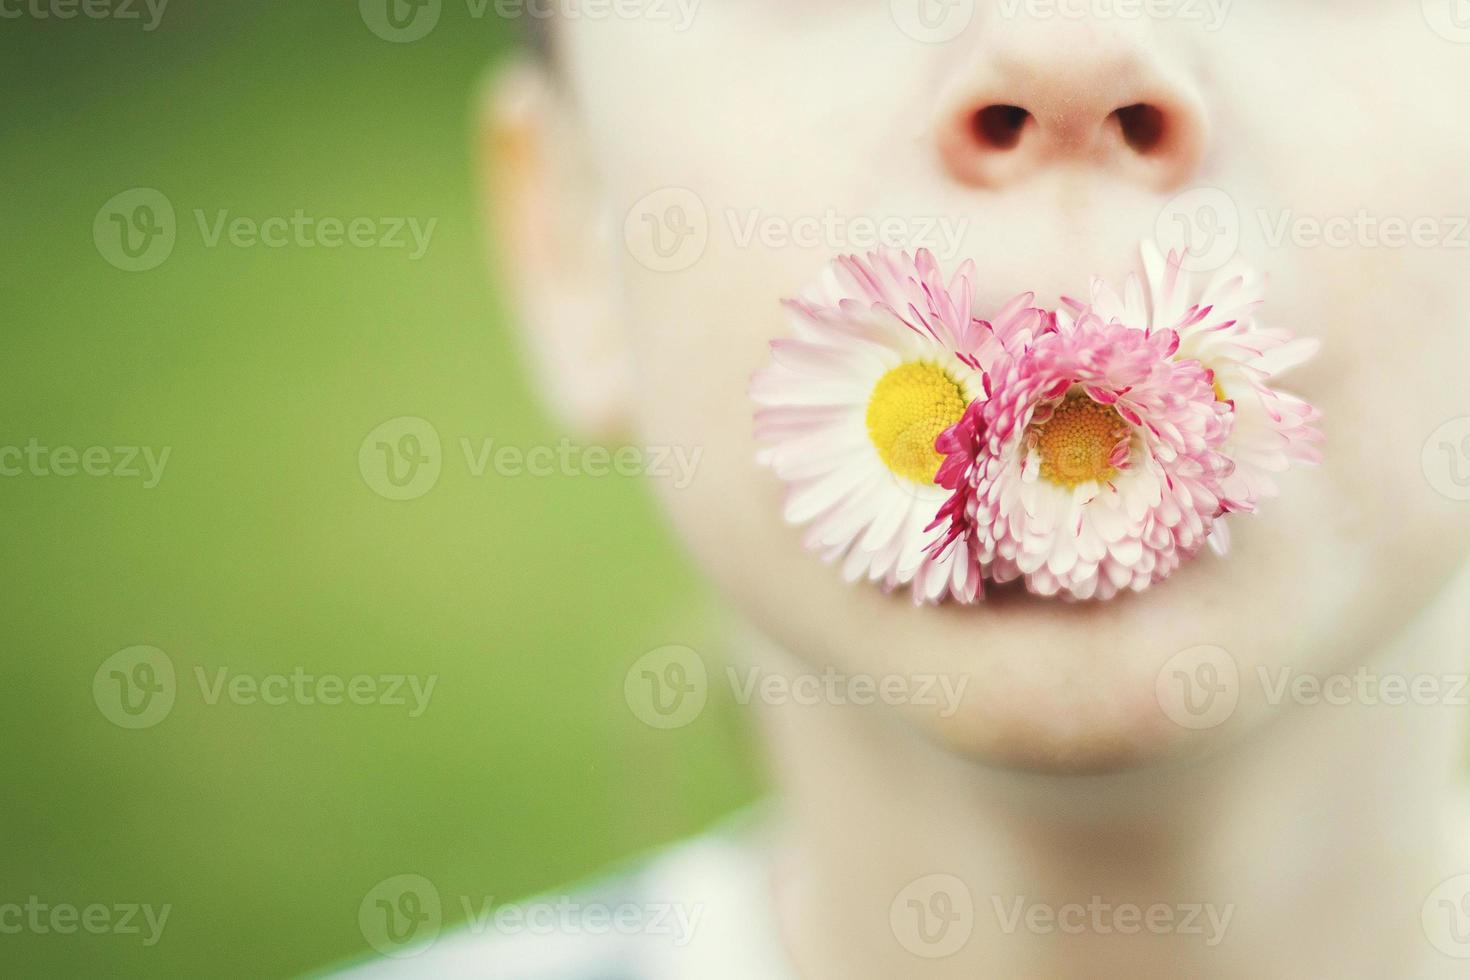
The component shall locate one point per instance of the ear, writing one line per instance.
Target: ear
(552, 248)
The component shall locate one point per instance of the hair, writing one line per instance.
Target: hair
(538, 37)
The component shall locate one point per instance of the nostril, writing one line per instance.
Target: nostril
(1137, 127)
(998, 127)
(1143, 127)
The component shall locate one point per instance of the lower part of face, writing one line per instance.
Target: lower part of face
(791, 127)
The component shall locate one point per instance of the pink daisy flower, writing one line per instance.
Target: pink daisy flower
(1093, 465)
(1217, 325)
(886, 356)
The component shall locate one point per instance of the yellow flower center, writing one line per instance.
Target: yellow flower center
(910, 406)
(1076, 443)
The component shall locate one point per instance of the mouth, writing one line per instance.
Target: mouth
(1081, 450)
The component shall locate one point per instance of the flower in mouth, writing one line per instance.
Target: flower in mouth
(886, 356)
(1093, 464)
(1217, 324)
(1084, 451)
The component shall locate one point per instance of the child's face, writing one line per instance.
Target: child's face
(1344, 118)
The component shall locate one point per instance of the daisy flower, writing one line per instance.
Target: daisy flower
(885, 357)
(1093, 464)
(1217, 325)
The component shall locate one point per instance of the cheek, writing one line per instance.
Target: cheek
(698, 337)
(1333, 220)
(1390, 375)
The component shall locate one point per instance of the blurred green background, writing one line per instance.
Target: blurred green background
(263, 549)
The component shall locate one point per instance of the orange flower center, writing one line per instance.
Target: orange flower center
(1076, 444)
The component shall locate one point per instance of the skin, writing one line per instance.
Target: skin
(790, 112)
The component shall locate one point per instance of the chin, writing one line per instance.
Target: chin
(1065, 688)
(1097, 687)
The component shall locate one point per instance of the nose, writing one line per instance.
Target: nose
(1044, 97)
